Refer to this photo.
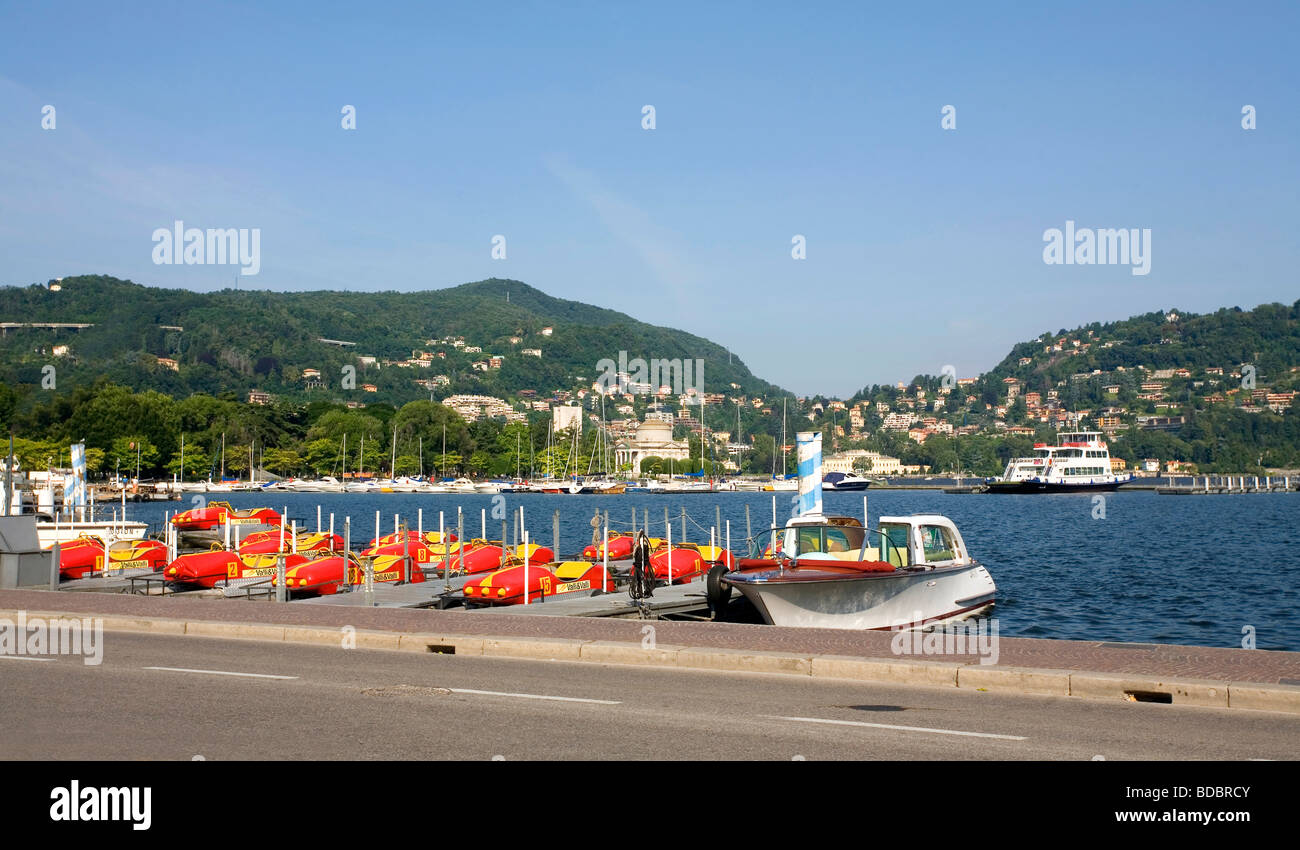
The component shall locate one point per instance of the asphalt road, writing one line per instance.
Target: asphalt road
(311, 702)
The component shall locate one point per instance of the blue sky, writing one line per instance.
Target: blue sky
(924, 245)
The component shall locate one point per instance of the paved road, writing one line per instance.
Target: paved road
(311, 702)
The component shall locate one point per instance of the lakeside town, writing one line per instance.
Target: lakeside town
(624, 419)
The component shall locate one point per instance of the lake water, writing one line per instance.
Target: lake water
(1161, 569)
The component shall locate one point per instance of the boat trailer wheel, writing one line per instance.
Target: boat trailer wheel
(717, 591)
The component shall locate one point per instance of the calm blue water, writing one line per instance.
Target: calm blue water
(1160, 569)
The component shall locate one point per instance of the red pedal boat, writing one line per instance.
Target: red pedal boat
(324, 576)
(208, 569)
(506, 587)
(480, 556)
(269, 542)
(85, 555)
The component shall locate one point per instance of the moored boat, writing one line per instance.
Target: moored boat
(567, 579)
(1079, 464)
(833, 572)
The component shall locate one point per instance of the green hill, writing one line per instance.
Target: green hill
(237, 341)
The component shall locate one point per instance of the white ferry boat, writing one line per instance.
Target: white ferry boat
(1080, 463)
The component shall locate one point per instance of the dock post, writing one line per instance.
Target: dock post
(604, 582)
(446, 553)
(280, 594)
(515, 543)
(347, 550)
(319, 527)
(482, 517)
(526, 560)
(406, 557)
(666, 523)
(376, 528)
(419, 522)
(295, 537)
(460, 539)
(370, 581)
(749, 531)
(54, 567)
(646, 524)
(669, 533)
(717, 516)
(774, 511)
(634, 523)
(683, 523)
(394, 528)
(331, 537)
(728, 538)
(555, 534)
(227, 526)
(866, 521)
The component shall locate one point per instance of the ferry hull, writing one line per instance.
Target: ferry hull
(1050, 487)
(870, 601)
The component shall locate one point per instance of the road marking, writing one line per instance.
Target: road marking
(898, 728)
(533, 696)
(25, 658)
(220, 673)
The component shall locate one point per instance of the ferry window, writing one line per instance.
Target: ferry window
(938, 543)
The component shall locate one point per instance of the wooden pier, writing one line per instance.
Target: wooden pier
(1226, 485)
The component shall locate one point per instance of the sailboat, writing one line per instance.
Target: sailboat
(784, 483)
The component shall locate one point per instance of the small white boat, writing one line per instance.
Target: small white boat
(842, 481)
(831, 573)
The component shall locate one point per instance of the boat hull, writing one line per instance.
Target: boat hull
(1050, 487)
(870, 600)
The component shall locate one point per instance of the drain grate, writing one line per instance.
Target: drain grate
(1149, 696)
(439, 649)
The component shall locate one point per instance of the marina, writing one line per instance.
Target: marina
(1080, 587)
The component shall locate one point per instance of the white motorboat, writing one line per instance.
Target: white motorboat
(832, 573)
(838, 481)
(65, 531)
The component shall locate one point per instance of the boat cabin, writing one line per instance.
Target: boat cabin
(919, 541)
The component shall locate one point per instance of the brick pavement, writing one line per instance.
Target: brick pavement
(1168, 661)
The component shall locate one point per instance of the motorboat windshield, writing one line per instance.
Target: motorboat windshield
(821, 543)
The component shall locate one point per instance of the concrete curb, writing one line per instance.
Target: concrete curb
(1019, 680)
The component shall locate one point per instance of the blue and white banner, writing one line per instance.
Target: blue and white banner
(809, 452)
(74, 493)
